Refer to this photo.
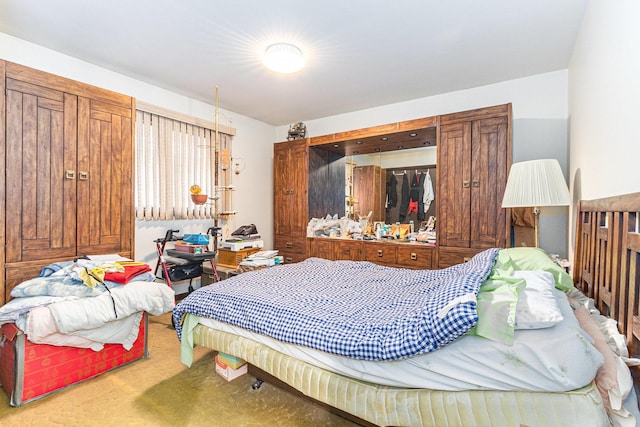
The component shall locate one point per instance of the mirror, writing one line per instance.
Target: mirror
(361, 167)
(396, 186)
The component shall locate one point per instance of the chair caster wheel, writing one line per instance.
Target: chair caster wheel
(256, 384)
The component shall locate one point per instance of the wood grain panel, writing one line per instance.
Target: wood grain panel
(69, 177)
(454, 192)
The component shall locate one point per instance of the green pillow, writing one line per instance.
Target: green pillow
(525, 258)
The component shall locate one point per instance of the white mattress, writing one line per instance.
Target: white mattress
(560, 358)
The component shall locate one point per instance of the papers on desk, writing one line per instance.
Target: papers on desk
(263, 259)
(264, 254)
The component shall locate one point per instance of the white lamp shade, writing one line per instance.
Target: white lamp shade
(283, 58)
(536, 183)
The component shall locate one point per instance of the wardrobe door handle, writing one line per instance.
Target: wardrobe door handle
(69, 174)
(475, 183)
(465, 183)
(83, 176)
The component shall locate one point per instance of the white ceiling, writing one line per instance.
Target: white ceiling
(359, 53)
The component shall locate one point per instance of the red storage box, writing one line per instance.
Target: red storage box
(30, 371)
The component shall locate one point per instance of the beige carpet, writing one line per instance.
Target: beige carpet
(160, 391)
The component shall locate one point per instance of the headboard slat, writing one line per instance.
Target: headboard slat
(606, 259)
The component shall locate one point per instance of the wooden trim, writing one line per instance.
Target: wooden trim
(404, 126)
(625, 202)
(63, 84)
(164, 112)
(481, 113)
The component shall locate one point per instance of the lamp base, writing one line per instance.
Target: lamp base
(536, 215)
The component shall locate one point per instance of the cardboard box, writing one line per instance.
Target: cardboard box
(189, 248)
(231, 259)
(232, 361)
(227, 372)
(208, 277)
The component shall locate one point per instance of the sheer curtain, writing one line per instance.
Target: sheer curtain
(171, 156)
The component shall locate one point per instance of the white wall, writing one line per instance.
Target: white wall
(253, 143)
(540, 117)
(604, 101)
(540, 123)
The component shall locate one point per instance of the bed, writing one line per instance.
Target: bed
(77, 320)
(499, 364)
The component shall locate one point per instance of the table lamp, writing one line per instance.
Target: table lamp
(536, 183)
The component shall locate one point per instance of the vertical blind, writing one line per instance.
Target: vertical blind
(171, 156)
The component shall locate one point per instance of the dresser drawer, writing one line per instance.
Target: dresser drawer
(350, 250)
(321, 248)
(415, 256)
(448, 256)
(293, 249)
(380, 253)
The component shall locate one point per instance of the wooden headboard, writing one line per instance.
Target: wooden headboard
(607, 260)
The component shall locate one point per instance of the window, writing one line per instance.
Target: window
(171, 155)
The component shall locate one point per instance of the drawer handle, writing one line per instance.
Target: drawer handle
(379, 252)
(467, 259)
(414, 256)
(289, 245)
(288, 259)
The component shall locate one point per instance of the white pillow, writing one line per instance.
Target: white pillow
(537, 307)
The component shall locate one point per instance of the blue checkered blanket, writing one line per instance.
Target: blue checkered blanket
(354, 309)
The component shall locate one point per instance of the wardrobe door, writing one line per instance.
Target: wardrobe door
(454, 185)
(489, 177)
(105, 175)
(41, 172)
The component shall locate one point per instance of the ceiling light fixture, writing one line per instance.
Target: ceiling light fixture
(283, 58)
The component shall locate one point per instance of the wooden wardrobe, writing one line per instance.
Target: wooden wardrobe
(474, 157)
(67, 152)
(473, 161)
(290, 184)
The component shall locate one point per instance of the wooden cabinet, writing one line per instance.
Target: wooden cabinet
(392, 254)
(69, 172)
(335, 249)
(369, 188)
(290, 216)
(321, 248)
(349, 250)
(414, 256)
(473, 160)
(474, 156)
(380, 253)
